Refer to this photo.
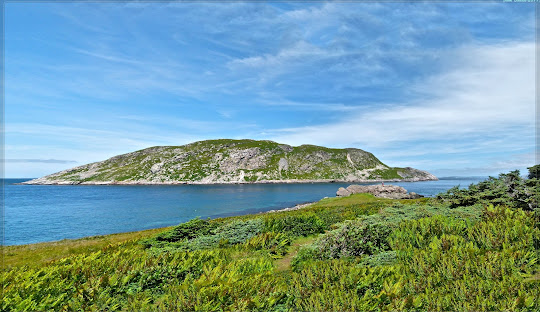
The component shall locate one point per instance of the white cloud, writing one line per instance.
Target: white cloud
(488, 90)
(270, 99)
(82, 144)
(44, 161)
(297, 52)
(492, 167)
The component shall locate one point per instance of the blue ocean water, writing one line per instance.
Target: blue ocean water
(41, 213)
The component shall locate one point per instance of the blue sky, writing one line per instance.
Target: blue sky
(447, 88)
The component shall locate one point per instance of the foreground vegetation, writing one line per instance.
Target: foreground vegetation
(466, 250)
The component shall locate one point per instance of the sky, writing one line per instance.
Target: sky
(444, 87)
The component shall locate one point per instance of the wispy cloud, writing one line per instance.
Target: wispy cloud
(46, 161)
(112, 140)
(491, 88)
(487, 97)
(494, 167)
(108, 57)
(278, 101)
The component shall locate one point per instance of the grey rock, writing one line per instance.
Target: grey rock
(286, 148)
(343, 192)
(383, 191)
(156, 168)
(283, 164)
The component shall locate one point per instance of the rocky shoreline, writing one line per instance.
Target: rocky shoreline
(48, 182)
(299, 206)
(382, 191)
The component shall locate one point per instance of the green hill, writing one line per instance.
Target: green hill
(235, 161)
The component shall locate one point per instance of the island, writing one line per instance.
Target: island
(227, 161)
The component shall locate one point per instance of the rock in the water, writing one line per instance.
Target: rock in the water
(383, 191)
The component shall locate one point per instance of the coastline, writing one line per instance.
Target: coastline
(293, 208)
(169, 197)
(39, 245)
(297, 207)
(291, 181)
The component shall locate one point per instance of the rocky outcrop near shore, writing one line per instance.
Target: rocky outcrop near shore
(236, 161)
(383, 191)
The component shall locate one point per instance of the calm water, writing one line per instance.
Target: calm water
(40, 213)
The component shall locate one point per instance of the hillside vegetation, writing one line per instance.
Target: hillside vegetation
(235, 161)
(463, 251)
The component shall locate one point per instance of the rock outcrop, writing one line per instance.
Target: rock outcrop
(383, 191)
(236, 161)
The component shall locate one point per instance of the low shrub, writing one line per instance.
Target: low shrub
(239, 231)
(276, 244)
(188, 230)
(383, 258)
(368, 234)
(295, 224)
(103, 280)
(353, 239)
(232, 233)
(419, 233)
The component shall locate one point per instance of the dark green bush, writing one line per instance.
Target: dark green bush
(353, 239)
(295, 225)
(227, 234)
(509, 189)
(187, 230)
(534, 172)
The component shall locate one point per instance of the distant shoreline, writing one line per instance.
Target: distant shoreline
(293, 181)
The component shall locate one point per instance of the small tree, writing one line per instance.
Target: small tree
(534, 172)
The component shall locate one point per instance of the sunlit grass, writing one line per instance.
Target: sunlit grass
(40, 253)
(284, 263)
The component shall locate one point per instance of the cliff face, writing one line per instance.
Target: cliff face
(235, 161)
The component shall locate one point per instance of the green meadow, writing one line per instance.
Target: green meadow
(474, 249)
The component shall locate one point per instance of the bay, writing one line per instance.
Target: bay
(42, 213)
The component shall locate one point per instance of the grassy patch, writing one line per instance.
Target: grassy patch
(353, 199)
(387, 174)
(41, 253)
(284, 263)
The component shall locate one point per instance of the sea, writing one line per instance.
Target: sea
(44, 213)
